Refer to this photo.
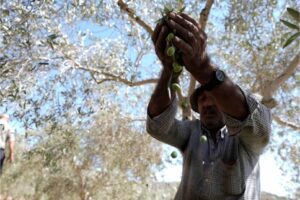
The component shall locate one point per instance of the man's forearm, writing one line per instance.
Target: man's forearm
(11, 150)
(228, 95)
(160, 98)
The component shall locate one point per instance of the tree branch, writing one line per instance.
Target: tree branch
(138, 119)
(139, 58)
(204, 13)
(127, 82)
(123, 6)
(270, 87)
(202, 21)
(115, 78)
(285, 123)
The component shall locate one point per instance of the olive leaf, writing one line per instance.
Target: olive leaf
(52, 36)
(294, 13)
(291, 39)
(181, 9)
(168, 9)
(288, 24)
(284, 37)
(158, 21)
(5, 12)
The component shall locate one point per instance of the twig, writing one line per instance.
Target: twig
(285, 123)
(115, 77)
(204, 14)
(123, 6)
(270, 87)
(202, 21)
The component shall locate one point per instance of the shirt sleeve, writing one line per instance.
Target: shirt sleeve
(254, 131)
(167, 129)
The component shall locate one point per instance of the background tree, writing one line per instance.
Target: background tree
(108, 159)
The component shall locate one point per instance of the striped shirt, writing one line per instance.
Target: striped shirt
(225, 170)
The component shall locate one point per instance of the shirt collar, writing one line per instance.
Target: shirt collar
(220, 134)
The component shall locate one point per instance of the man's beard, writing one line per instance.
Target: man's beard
(212, 119)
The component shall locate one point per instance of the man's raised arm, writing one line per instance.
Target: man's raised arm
(244, 115)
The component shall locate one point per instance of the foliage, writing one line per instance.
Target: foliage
(108, 159)
(296, 15)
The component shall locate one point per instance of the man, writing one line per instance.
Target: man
(6, 135)
(221, 150)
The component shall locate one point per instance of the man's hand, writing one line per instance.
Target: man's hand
(191, 40)
(159, 40)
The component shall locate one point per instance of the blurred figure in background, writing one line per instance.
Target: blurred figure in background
(6, 136)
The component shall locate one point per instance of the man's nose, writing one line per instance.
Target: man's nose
(208, 102)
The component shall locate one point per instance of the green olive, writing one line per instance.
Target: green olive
(176, 67)
(175, 87)
(174, 154)
(203, 139)
(171, 51)
(170, 37)
(184, 104)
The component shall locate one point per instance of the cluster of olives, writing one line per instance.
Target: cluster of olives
(172, 51)
(177, 67)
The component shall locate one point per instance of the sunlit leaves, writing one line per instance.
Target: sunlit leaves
(291, 39)
(294, 13)
(290, 25)
(71, 160)
(296, 16)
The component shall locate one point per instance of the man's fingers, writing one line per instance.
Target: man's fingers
(181, 31)
(199, 29)
(185, 23)
(160, 44)
(188, 18)
(182, 45)
(156, 31)
(200, 33)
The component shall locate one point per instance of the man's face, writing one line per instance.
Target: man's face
(210, 115)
